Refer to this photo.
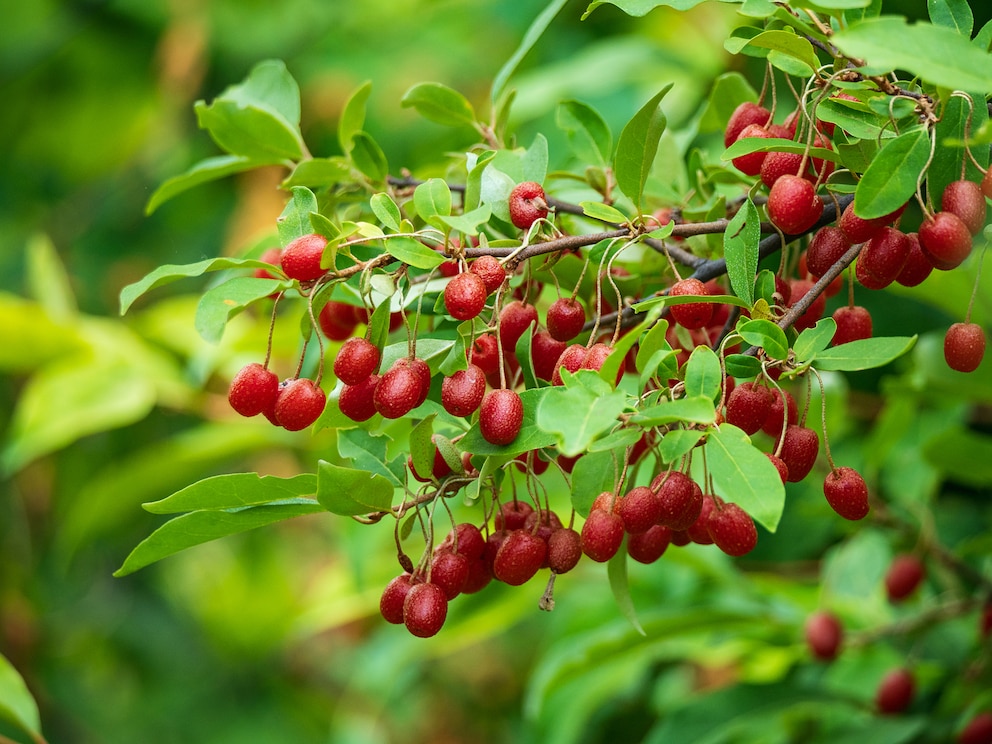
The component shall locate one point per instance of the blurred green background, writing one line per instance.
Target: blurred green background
(274, 636)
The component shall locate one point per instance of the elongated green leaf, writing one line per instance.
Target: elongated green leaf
(413, 252)
(638, 145)
(318, 172)
(295, 218)
(864, 354)
(742, 474)
(432, 198)
(785, 42)
(696, 410)
(219, 304)
(642, 7)
(814, 340)
(729, 91)
(386, 210)
(577, 415)
(234, 490)
(740, 247)
(368, 452)
(593, 474)
(891, 179)
(368, 157)
(616, 569)
(677, 443)
(349, 492)
(742, 365)
(777, 144)
(196, 528)
(205, 171)
(588, 134)
(767, 335)
(702, 374)
(468, 223)
(950, 153)
(653, 341)
(17, 706)
(422, 448)
(534, 33)
(440, 104)
(953, 14)
(855, 118)
(604, 212)
(352, 119)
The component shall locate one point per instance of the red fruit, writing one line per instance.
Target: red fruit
(513, 321)
(732, 530)
(778, 164)
(824, 635)
(337, 320)
(945, 240)
(357, 402)
(917, 266)
(773, 424)
(529, 461)
(905, 574)
(847, 493)
(393, 597)
(424, 373)
(883, 257)
(745, 114)
(485, 353)
(512, 515)
(501, 416)
(964, 346)
(448, 268)
(750, 164)
(697, 531)
(253, 390)
(544, 353)
(681, 499)
(425, 609)
(479, 576)
(825, 249)
(793, 205)
(570, 359)
(799, 450)
(542, 523)
(895, 691)
(490, 270)
(781, 467)
(978, 730)
(853, 324)
(649, 546)
(465, 539)
(528, 203)
(356, 360)
(799, 288)
(462, 393)
(694, 314)
(301, 258)
(859, 230)
(565, 319)
(640, 509)
(465, 296)
(519, 557)
(449, 570)
(748, 406)
(299, 404)
(564, 550)
(398, 391)
(965, 199)
(602, 535)
(986, 184)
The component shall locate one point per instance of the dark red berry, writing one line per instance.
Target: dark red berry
(732, 530)
(423, 371)
(356, 360)
(680, 497)
(449, 570)
(519, 557)
(570, 359)
(564, 549)
(780, 409)
(965, 199)
(393, 597)
(745, 114)
(565, 318)
(398, 391)
(425, 609)
(781, 467)
(799, 450)
(748, 406)
(602, 535)
(917, 266)
(793, 205)
(895, 691)
(357, 402)
(512, 515)
(964, 346)
(978, 730)
(301, 258)
(847, 493)
(479, 576)
(799, 288)
(883, 257)
(484, 353)
(500, 416)
(945, 240)
(778, 164)
(853, 324)
(649, 546)
(827, 246)
(858, 229)
(253, 390)
(904, 576)
(544, 353)
(465, 296)
(528, 204)
(640, 509)
(465, 539)
(750, 164)
(692, 315)
(697, 531)
(462, 393)
(299, 404)
(824, 635)
(337, 320)
(514, 319)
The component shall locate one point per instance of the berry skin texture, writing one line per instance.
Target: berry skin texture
(965, 199)
(895, 692)
(964, 346)
(978, 730)
(570, 359)
(945, 240)
(640, 509)
(465, 296)
(824, 635)
(544, 354)
(853, 324)
(781, 467)
(357, 402)
(905, 574)
(425, 610)
(692, 315)
(485, 353)
(746, 113)
(827, 246)
(647, 547)
(799, 288)
(564, 549)
(337, 320)
(565, 318)
(501, 416)
(513, 321)
(512, 515)
(917, 267)
(799, 451)
(253, 390)
(773, 424)
(751, 163)
(748, 406)
(858, 229)
(301, 258)
(490, 270)
(847, 493)
(356, 360)
(732, 530)
(883, 257)
(462, 393)
(398, 391)
(393, 597)
(299, 404)
(528, 204)
(681, 499)
(602, 535)
(449, 570)
(793, 205)
(519, 557)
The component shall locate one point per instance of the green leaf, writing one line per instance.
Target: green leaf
(729, 91)
(412, 252)
(767, 335)
(938, 55)
(814, 340)
(432, 198)
(17, 707)
(369, 158)
(319, 172)
(386, 210)
(740, 247)
(696, 410)
(742, 366)
(677, 443)
(440, 104)
(534, 33)
(295, 218)
(785, 42)
(422, 448)
(642, 7)
(891, 178)
(578, 414)
(855, 118)
(653, 341)
(953, 14)
(703, 377)
(638, 145)
(219, 304)
(950, 153)
(349, 492)
(625, 437)
(523, 352)
(369, 453)
(352, 120)
(604, 212)
(593, 474)
(588, 134)
(743, 474)
(864, 354)
(234, 490)
(199, 527)
(616, 569)
(748, 145)
(468, 223)
(531, 435)
(205, 171)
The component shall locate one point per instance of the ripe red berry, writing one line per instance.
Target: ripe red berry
(564, 549)
(692, 315)
(917, 266)
(857, 229)
(399, 390)
(781, 408)
(799, 288)
(964, 346)
(827, 246)
(490, 270)
(299, 404)
(895, 691)
(565, 318)
(732, 529)
(799, 450)
(904, 576)
(847, 493)
(465, 539)
(485, 353)
(978, 730)
(356, 360)
(253, 390)
(640, 509)
(519, 557)
(393, 597)
(337, 320)
(680, 497)
(449, 570)
(778, 164)
(512, 515)
(945, 240)
(746, 113)
(883, 258)
(781, 467)
(602, 535)
(479, 576)
(514, 319)
(357, 402)
(965, 199)
(853, 324)
(301, 258)
(748, 406)
(824, 635)
(501, 416)
(544, 353)
(570, 359)
(528, 203)
(793, 205)
(751, 163)
(462, 392)
(697, 531)
(465, 296)
(649, 546)
(425, 609)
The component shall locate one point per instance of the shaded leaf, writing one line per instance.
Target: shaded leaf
(863, 354)
(294, 221)
(742, 474)
(767, 335)
(579, 413)
(616, 569)
(740, 247)
(205, 171)
(703, 377)
(219, 304)
(348, 492)
(638, 145)
(440, 104)
(352, 119)
(534, 33)
(695, 410)
(588, 134)
(234, 490)
(17, 706)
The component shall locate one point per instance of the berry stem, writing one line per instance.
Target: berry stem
(823, 419)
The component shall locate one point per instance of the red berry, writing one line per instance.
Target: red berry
(479, 576)
(640, 509)
(965, 199)
(692, 315)
(301, 258)
(528, 203)
(799, 288)
(544, 353)
(978, 730)
(253, 390)
(393, 597)
(793, 205)
(465, 539)
(905, 574)
(732, 530)
(356, 360)
(485, 353)
(565, 318)
(570, 359)
(750, 164)
(490, 270)
(853, 324)
(917, 266)
(501, 416)
(564, 549)
(299, 404)
(425, 609)
(680, 497)
(945, 240)
(357, 402)
(883, 257)
(337, 320)
(857, 229)
(514, 319)
(781, 467)
(779, 410)
(964, 346)
(778, 164)
(799, 450)
(465, 296)
(847, 493)
(748, 406)
(519, 557)
(462, 393)
(449, 570)
(827, 246)
(449, 268)
(745, 114)
(649, 546)
(602, 535)
(512, 515)
(697, 531)
(824, 635)
(895, 691)
(399, 390)
(542, 523)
